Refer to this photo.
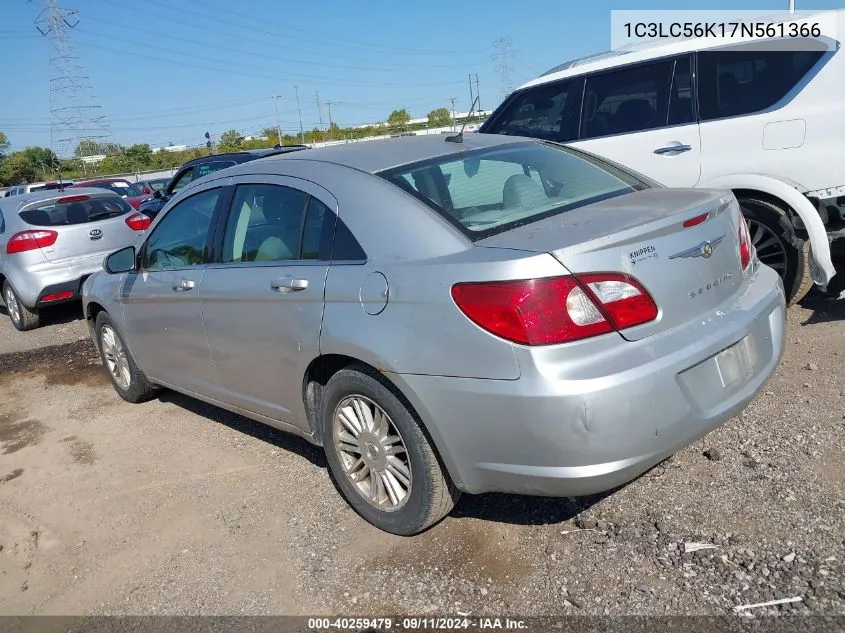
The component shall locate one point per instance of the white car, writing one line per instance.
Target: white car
(765, 122)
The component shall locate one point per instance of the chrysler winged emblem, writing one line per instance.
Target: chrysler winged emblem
(704, 249)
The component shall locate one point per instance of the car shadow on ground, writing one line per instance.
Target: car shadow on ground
(826, 306)
(57, 315)
(494, 507)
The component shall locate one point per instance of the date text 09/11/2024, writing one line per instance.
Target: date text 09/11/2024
(415, 624)
(720, 29)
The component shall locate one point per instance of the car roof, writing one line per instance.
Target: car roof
(375, 156)
(83, 182)
(36, 196)
(654, 49)
(245, 155)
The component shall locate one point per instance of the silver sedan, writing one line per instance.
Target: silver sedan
(473, 314)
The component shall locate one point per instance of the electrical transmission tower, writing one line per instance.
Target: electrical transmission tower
(503, 56)
(74, 115)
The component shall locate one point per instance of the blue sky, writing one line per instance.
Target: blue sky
(166, 71)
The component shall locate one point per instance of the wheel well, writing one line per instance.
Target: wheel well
(93, 310)
(767, 197)
(316, 378)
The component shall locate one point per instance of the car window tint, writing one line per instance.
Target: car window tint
(264, 224)
(733, 82)
(680, 96)
(626, 100)
(183, 180)
(80, 211)
(315, 226)
(207, 168)
(549, 112)
(180, 238)
(345, 247)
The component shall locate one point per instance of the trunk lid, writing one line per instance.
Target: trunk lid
(688, 270)
(88, 224)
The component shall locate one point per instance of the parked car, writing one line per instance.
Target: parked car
(38, 186)
(51, 241)
(540, 322)
(199, 167)
(122, 187)
(763, 119)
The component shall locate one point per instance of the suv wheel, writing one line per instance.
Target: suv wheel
(22, 318)
(380, 457)
(775, 240)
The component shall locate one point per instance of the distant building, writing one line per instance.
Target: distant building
(170, 148)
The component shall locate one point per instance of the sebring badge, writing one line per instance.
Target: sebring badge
(704, 249)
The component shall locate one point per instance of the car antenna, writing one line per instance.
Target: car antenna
(459, 137)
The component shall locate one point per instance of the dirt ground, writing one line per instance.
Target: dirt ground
(179, 508)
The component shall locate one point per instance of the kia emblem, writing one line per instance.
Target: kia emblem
(95, 234)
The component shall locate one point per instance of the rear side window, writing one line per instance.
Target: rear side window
(549, 112)
(733, 82)
(78, 211)
(629, 99)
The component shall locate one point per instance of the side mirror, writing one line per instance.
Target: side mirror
(158, 194)
(121, 261)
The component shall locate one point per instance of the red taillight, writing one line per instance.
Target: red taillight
(56, 296)
(30, 240)
(699, 219)
(69, 199)
(555, 310)
(138, 222)
(745, 246)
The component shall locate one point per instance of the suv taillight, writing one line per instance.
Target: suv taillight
(138, 222)
(557, 309)
(30, 240)
(746, 248)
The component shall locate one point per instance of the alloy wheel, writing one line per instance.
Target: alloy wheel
(12, 305)
(770, 249)
(115, 356)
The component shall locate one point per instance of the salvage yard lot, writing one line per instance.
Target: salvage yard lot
(177, 507)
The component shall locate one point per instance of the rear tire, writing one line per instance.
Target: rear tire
(774, 238)
(22, 318)
(390, 447)
(130, 382)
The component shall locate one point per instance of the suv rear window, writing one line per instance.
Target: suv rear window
(80, 211)
(488, 191)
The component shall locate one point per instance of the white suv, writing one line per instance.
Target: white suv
(762, 121)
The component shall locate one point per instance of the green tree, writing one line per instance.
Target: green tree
(398, 119)
(230, 141)
(139, 155)
(4, 145)
(43, 159)
(439, 117)
(87, 147)
(17, 169)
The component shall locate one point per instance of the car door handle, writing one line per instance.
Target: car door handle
(289, 284)
(185, 284)
(673, 149)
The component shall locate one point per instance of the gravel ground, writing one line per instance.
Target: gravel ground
(175, 507)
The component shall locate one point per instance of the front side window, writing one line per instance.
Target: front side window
(180, 240)
(736, 81)
(265, 224)
(186, 177)
(488, 191)
(629, 99)
(548, 112)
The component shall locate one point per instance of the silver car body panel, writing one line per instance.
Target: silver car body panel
(559, 419)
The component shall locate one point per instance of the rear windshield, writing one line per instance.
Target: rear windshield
(76, 212)
(493, 190)
(119, 187)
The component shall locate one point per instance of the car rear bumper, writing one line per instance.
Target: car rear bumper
(555, 432)
(35, 282)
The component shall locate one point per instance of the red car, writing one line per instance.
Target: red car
(131, 193)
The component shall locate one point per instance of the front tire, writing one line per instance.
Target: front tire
(775, 240)
(22, 318)
(380, 457)
(129, 381)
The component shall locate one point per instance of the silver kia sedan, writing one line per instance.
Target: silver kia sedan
(474, 314)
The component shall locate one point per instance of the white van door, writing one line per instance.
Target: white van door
(643, 117)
